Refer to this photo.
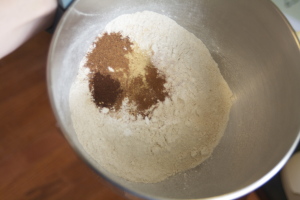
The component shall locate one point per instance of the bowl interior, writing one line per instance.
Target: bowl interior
(258, 55)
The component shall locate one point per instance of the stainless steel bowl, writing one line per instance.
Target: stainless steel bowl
(258, 55)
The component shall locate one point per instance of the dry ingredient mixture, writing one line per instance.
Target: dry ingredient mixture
(149, 101)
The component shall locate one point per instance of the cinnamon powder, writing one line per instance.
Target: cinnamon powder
(110, 51)
(115, 65)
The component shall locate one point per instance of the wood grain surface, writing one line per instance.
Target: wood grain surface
(36, 162)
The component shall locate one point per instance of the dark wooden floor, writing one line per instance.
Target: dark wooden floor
(36, 162)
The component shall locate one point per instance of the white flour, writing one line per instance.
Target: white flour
(183, 130)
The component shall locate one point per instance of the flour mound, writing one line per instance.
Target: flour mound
(183, 129)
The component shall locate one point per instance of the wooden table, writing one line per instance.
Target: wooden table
(36, 162)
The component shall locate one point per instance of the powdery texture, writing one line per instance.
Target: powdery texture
(183, 130)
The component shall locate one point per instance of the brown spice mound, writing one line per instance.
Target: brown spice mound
(110, 51)
(105, 90)
(147, 94)
(111, 80)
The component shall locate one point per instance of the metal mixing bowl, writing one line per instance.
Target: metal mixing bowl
(258, 55)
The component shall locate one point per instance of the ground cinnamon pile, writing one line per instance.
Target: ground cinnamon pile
(119, 70)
